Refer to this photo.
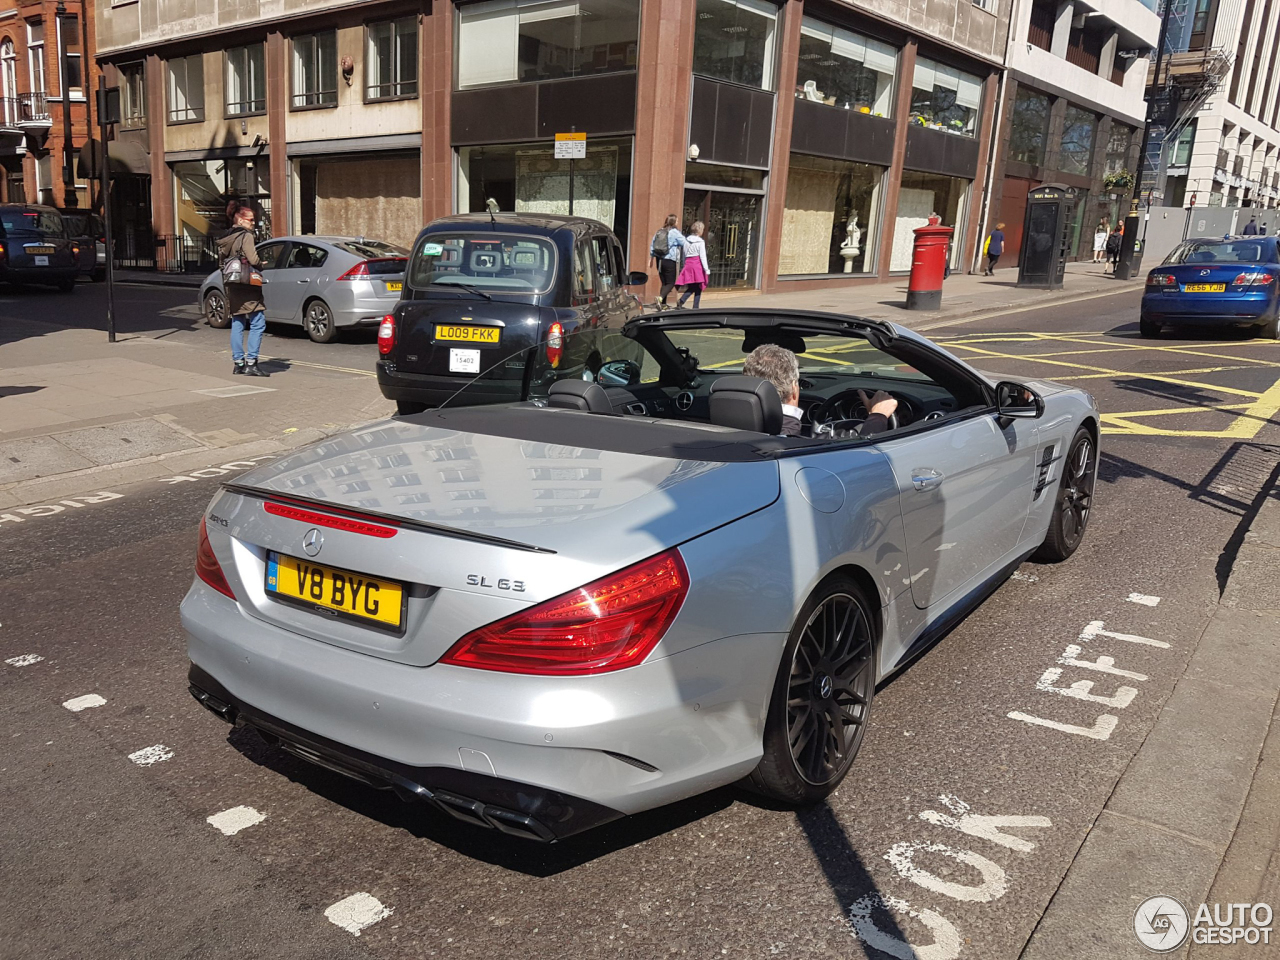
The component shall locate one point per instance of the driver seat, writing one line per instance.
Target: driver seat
(746, 403)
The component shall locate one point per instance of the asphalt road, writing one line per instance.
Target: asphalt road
(106, 857)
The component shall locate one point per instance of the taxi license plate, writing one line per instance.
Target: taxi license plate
(1205, 288)
(394, 287)
(340, 593)
(464, 334)
(35, 250)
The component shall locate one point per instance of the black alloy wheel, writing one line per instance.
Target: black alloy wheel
(215, 310)
(1074, 501)
(822, 697)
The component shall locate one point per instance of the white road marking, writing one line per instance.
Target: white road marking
(26, 660)
(149, 755)
(76, 704)
(1093, 630)
(356, 912)
(946, 939)
(1143, 599)
(234, 820)
(1071, 658)
(987, 828)
(994, 880)
(1101, 730)
(1080, 690)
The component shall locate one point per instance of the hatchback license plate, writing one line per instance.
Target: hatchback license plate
(394, 287)
(353, 595)
(468, 334)
(1205, 288)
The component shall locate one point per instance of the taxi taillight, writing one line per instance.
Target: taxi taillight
(555, 343)
(386, 335)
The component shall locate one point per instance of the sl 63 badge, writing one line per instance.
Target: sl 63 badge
(476, 580)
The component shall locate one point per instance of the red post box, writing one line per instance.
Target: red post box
(928, 266)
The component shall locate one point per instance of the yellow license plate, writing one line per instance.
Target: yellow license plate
(40, 250)
(467, 334)
(1205, 288)
(394, 287)
(353, 595)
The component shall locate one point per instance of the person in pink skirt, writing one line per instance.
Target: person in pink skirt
(696, 270)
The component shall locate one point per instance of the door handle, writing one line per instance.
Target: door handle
(303, 281)
(925, 478)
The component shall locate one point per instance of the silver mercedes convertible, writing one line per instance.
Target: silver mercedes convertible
(626, 586)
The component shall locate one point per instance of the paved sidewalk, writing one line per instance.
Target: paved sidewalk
(1196, 816)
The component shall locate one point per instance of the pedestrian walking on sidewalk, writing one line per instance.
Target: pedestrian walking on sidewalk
(1114, 243)
(995, 247)
(696, 270)
(242, 284)
(1100, 241)
(1251, 228)
(668, 250)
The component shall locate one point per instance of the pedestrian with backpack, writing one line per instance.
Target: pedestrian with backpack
(1114, 243)
(242, 285)
(668, 251)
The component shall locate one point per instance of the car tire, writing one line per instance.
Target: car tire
(407, 408)
(215, 310)
(1270, 330)
(317, 320)
(1149, 328)
(1073, 500)
(826, 680)
(66, 286)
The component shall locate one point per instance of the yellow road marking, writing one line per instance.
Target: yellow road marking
(1163, 373)
(1243, 427)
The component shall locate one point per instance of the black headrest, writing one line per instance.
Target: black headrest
(579, 395)
(746, 403)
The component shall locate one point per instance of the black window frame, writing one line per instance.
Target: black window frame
(257, 107)
(398, 84)
(313, 100)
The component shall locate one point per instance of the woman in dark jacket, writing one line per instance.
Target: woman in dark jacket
(244, 300)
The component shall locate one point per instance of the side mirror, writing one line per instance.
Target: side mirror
(1018, 402)
(619, 373)
(637, 278)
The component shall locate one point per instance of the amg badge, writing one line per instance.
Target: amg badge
(476, 580)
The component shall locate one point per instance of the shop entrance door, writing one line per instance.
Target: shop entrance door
(732, 234)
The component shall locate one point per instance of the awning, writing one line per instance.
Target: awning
(127, 157)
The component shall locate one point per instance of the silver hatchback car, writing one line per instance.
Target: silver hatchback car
(323, 283)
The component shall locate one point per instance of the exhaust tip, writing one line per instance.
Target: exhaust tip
(215, 706)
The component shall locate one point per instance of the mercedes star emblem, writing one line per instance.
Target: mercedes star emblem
(312, 542)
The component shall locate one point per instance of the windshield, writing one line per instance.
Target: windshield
(726, 350)
(16, 220)
(1224, 251)
(492, 262)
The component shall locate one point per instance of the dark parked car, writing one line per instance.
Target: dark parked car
(1216, 281)
(481, 293)
(88, 230)
(35, 247)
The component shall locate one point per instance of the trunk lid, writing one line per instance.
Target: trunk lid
(1209, 275)
(484, 525)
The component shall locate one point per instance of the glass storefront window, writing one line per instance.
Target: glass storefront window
(527, 178)
(1029, 124)
(945, 98)
(518, 41)
(734, 40)
(923, 194)
(732, 233)
(1078, 129)
(830, 218)
(845, 69)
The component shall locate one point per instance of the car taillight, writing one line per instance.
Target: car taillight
(1162, 280)
(555, 343)
(359, 272)
(609, 624)
(4, 251)
(386, 334)
(1251, 279)
(207, 568)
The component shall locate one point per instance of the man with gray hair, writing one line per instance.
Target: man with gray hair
(779, 366)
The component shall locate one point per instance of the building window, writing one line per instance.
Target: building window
(829, 221)
(246, 80)
(35, 55)
(987, 5)
(72, 63)
(1118, 148)
(186, 89)
(8, 84)
(133, 96)
(733, 40)
(945, 98)
(1029, 123)
(391, 63)
(315, 70)
(845, 69)
(1078, 129)
(1040, 29)
(1184, 145)
(517, 41)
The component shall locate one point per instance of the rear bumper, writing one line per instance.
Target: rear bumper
(50, 275)
(1246, 309)
(356, 307)
(434, 389)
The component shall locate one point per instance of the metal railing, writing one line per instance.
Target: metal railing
(185, 254)
(10, 111)
(34, 106)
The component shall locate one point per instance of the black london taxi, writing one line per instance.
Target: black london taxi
(36, 248)
(506, 303)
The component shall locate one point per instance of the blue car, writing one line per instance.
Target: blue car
(1215, 281)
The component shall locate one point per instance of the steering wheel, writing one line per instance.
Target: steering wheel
(847, 405)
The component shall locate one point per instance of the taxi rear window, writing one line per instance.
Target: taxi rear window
(493, 262)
